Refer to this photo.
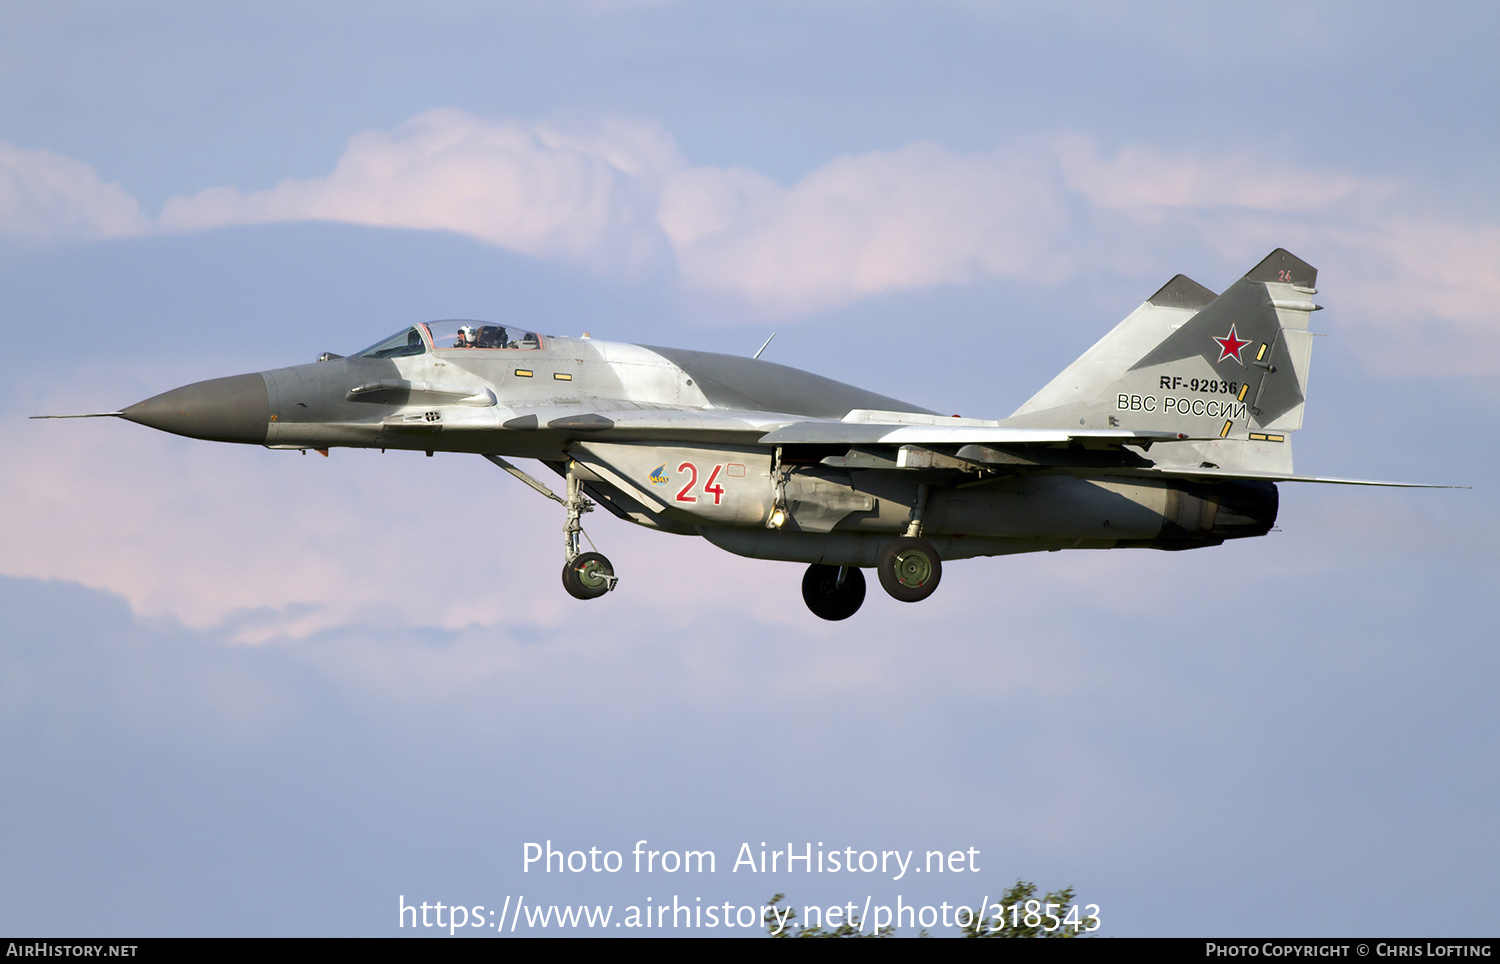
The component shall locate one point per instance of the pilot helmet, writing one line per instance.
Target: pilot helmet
(466, 334)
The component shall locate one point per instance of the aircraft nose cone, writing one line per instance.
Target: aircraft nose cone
(234, 409)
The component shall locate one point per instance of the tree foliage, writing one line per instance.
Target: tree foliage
(852, 927)
(1030, 918)
(1020, 894)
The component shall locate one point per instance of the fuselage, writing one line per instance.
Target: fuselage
(1171, 432)
(631, 422)
(529, 402)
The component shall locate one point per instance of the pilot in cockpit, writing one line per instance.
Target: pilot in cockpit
(491, 336)
(465, 337)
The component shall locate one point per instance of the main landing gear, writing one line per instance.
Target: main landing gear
(585, 575)
(909, 569)
(833, 592)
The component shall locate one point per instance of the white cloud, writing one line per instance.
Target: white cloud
(618, 196)
(47, 198)
(883, 221)
(1431, 287)
(1146, 180)
(581, 193)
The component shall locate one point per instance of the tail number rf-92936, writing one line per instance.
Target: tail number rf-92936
(1208, 386)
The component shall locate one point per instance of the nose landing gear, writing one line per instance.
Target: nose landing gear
(585, 575)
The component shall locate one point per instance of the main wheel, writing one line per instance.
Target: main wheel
(909, 569)
(588, 576)
(826, 598)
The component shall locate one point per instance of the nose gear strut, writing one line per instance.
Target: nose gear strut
(585, 575)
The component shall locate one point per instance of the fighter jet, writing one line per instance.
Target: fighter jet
(1169, 433)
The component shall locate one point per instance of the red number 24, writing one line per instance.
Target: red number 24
(712, 487)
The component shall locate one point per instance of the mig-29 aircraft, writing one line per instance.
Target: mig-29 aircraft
(1170, 433)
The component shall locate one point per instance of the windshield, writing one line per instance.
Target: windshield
(459, 333)
(408, 342)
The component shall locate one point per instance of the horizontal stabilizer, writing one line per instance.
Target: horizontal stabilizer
(844, 433)
(1272, 477)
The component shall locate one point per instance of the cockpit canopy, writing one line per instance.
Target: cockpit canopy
(461, 333)
(408, 342)
(453, 334)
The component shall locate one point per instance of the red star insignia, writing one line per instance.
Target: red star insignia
(1230, 346)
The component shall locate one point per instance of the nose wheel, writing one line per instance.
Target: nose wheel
(833, 592)
(588, 576)
(909, 569)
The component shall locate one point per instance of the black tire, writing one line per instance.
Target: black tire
(826, 598)
(584, 577)
(909, 569)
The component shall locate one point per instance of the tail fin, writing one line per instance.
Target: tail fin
(1229, 372)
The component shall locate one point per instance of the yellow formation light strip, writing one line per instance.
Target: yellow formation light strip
(562, 376)
(523, 372)
(1227, 424)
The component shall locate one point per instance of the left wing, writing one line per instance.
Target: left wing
(866, 427)
(881, 440)
(839, 433)
(624, 422)
(898, 440)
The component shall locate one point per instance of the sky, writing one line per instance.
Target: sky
(246, 692)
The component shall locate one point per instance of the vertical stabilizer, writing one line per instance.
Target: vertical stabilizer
(1144, 328)
(1230, 373)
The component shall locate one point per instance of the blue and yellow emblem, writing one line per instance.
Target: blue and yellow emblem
(659, 475)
